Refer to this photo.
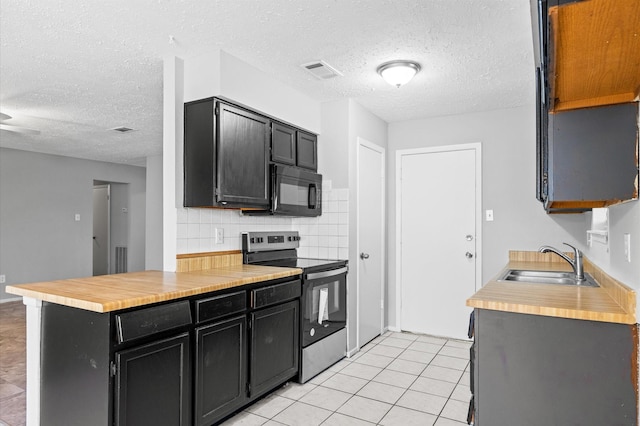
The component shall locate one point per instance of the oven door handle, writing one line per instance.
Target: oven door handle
(325, 274)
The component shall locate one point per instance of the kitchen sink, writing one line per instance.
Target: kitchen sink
(547, 277)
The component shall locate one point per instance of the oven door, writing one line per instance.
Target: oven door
(296, 192)
(324, 304)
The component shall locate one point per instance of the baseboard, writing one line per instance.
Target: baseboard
(11, 299)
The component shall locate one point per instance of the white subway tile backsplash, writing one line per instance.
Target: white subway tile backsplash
(193, 215)
(182, 215)
(193, 230)
(326, 236)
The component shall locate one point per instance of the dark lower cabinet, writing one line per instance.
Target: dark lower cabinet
(274, 346)
(220, 369)
(533, 370)
(153, 383)
(194, 361)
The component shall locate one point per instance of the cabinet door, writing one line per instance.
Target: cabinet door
(274, 346)
(153, 384)
(307, 147)
(242, 157)
(283, 144)
(220, 370)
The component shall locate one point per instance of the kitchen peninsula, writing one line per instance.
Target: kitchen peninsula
(553, 354)
(158, 347)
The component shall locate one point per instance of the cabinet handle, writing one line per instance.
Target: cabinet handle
(313, 197)
(469, 255)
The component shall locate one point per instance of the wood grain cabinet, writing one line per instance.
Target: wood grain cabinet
(533, 370)
(586, 98)
(293, 146)
(226, 151)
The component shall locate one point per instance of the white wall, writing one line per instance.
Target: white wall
(343, 122)
(508, 148)
(39, 197)
(153, 203)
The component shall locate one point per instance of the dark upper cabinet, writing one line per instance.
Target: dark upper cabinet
(307, 146)
(587, 119)
(226, 152)
(283, 144)
(293, 147)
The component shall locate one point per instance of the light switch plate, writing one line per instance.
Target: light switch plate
(489, 215)
(77, 217)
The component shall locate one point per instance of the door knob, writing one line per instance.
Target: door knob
(469, 255)
(469, 237)
(364, 256)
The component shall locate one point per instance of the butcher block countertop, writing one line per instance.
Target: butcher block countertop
(611, 302)
(108, 293)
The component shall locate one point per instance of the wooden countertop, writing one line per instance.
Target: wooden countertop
(611, 302)
(108, 293)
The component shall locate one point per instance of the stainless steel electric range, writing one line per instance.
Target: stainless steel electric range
(323, 306)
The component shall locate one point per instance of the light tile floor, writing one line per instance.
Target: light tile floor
(397, 379)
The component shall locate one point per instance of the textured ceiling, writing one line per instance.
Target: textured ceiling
(75, 69)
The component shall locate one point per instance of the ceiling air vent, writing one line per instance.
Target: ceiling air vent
(122, 129)
(321, 70)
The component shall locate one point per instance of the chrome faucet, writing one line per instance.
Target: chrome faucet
(576, 262)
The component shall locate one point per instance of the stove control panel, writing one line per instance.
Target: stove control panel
(269, 241)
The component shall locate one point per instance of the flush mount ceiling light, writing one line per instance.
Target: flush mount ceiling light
(398, 73)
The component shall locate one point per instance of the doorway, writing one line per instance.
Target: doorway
(101, 228)
(371, 240)
(438, 237)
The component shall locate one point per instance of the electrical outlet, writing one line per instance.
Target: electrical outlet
(627, 247)
(77, 217)
(219, 235)
(3, 279)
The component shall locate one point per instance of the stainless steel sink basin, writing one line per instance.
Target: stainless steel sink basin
(547, 277)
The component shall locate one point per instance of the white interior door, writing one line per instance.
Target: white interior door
(371, 253)
(439, 232)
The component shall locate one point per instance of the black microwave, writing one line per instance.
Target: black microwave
(295, 191)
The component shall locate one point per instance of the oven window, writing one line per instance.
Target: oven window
(324, 309)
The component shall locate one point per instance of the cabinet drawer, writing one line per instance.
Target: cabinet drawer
(277, 293)
(149, 321)
(220, 306)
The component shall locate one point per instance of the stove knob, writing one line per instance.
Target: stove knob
(252, 240)
(290, 238)
(261, 240)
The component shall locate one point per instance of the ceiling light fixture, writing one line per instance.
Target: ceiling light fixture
(398, 73)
